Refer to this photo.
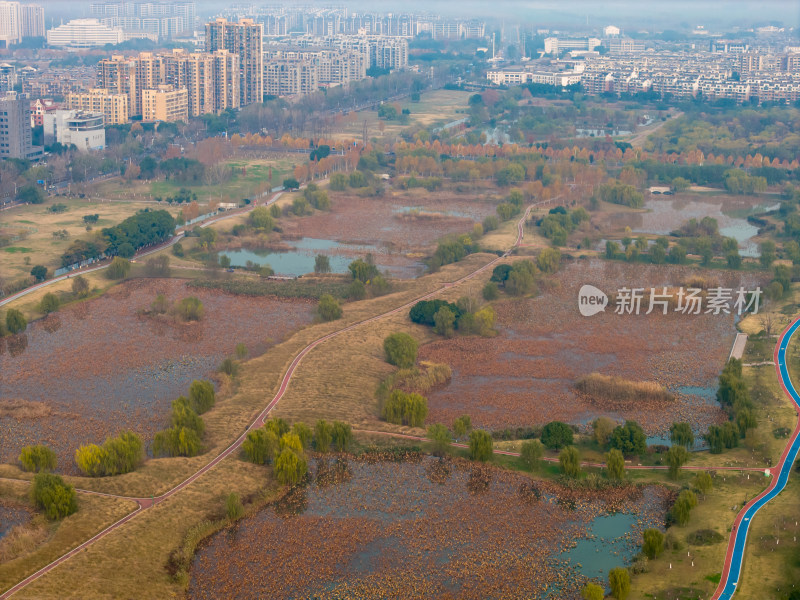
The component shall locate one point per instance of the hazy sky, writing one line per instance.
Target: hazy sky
(645, 14)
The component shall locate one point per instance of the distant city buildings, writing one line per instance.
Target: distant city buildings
(84, 33)
(82, 129)
(318, 21)
(18, 21)
(555, 45)
(155, 20)
(16, 135)
(742, 76)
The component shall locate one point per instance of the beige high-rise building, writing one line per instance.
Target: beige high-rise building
(226, 80)
(195, 72)
(165, 103)
(118, 75)
(290, 78)
(114, 107)
(245, 39)
(32, 20)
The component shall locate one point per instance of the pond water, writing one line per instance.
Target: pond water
(608, 545)
(664, 216)
(423, 528)
(300, 259)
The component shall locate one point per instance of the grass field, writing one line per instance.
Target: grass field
(434, 109)
(94, 514)
(249, 175)
(40, 247)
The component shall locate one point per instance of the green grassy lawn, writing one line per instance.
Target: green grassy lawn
(434, 109)
(249, 176)
(37, 225)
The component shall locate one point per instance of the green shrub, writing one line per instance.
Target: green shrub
(556, 435)
(277, 426)
(190, 309)
(490, 291)
(328, 308)
(177, 441)
(619, 580)
(233, 506)
(401, 350)
(531, 453)
(201, 396)
(116, 456)
(462, 425)
(183, 415)
(51, 494)
(303, 431)
(570, 461)
(15, 321)
(229, 367)
(119, 268)
(260, 446)
(290, 467)
(405, 409)
(49, 304)
(480, 445)
(652, 543)
(323, 433)
(37, 458)
(440, 437)
(342, 436)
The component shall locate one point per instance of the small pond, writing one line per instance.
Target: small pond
(664, 216)
(299, 260)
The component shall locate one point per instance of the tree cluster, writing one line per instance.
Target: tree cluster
(116, 456)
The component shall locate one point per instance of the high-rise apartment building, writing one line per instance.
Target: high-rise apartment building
(10, 24)
(245, 39)
(114, 107)
(118, 75)
(226, 80)
(16, 135)
(32, 20)
(211, 80)
(165, 103)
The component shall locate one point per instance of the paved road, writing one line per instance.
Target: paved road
(732, 569)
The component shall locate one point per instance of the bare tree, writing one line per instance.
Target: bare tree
(767, 322)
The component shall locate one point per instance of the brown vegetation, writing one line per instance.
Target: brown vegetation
(619, 393)
(16, 408)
